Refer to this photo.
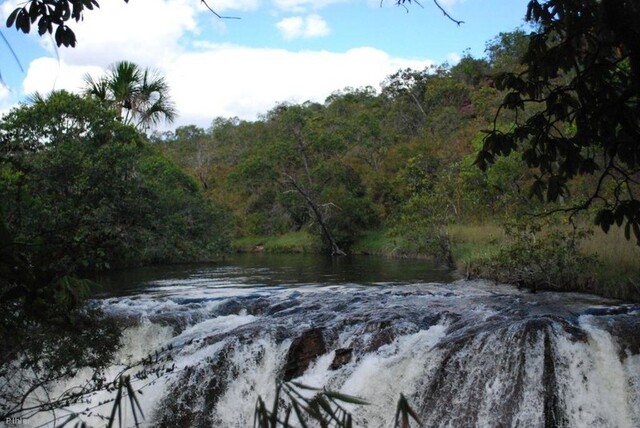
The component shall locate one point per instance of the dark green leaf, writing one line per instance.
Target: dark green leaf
(34, 10)
(12, 17)
(605, 219)
(299, 414)
(346, 398)
(636, 231)
(627, 231)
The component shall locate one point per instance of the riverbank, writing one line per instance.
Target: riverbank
(300, 242)
(604, 264)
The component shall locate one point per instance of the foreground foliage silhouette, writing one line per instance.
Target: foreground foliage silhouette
(577, 107)
(322, 407)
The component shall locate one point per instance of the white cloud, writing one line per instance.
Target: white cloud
(227, 80)
(6, 101)
(46, 74)
(316, 26)
(4, 92)
(143, 31)
(6, 8)
(453, 58)
(307, 27)
(291, 27)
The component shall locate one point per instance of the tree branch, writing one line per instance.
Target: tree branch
(402, 3)
(447, 14)
(216, 13)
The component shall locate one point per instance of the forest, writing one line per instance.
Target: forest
(493, 167)
(397, 173)
(400, 172)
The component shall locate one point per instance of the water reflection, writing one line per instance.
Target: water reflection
(276, 270)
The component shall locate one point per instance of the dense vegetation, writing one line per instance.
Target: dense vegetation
(82, 192)
(396, 172)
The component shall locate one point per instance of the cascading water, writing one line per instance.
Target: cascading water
(465, 354)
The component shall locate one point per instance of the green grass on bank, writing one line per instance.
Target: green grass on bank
(614, 250)
(474, 247)
(473, 244)
(375, 242)
(616, 272)
(293, 242)
(382, 243)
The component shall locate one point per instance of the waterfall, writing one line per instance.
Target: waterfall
(467, 353)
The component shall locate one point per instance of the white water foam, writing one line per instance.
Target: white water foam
(473, 355)
(595, 384)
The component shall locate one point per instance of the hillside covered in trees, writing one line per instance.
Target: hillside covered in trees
(396, 172)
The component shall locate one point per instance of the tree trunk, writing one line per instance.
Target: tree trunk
(335, 249)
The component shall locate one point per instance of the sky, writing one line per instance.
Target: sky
(278, 51)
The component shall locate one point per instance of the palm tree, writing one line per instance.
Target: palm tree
(140, 95)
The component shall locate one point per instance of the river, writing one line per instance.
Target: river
(463, 353)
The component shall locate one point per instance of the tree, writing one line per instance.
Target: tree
(505, 51)
(357, 116)
(43, 322)
(470, 70)
(577, 106)
(140, 95)
(409, 84)
(92, 193)
(193, 149)
(302, 154)
(83, 192)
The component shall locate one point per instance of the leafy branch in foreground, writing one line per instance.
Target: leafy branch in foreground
(577, 108)
(124, 389)
(403, 414)
(51, 14)
(323, 407)
(120, 389)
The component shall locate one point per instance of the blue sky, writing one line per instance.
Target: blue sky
(280, 50)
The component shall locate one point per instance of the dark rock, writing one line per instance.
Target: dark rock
(187, 405)
(553, 412)
(217, 384)
(178, 410)
(282, 306)
(626, 330)
(375, 326)
(430, 320)
(383, 334)
(230, 307)
(383, 337)
(610, 310)
(343, 356)
(303, 351)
